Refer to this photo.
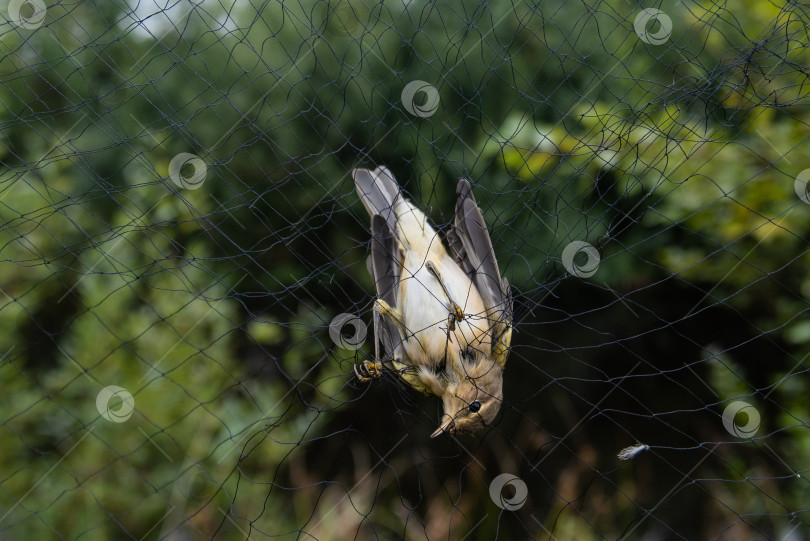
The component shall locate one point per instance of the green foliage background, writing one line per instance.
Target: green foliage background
(211, 306)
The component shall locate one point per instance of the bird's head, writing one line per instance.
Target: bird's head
(472, 399)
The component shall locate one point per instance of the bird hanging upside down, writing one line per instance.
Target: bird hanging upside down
(444, 319)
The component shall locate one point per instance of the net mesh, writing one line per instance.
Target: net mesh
(184, 289)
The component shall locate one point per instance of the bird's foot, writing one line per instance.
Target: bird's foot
(456, 314)
(368, 371)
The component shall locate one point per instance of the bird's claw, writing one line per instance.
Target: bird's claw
(456, 314)
(368, 370)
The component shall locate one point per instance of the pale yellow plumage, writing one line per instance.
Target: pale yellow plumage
(423, 298)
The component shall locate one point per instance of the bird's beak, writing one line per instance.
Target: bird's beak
(447, 425)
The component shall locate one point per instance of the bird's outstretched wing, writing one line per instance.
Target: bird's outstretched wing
(471, 246)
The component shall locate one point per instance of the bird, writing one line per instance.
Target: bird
(443, 313)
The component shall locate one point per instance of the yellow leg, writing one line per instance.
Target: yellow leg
(368, 370)
(384, 309)
(456, 314)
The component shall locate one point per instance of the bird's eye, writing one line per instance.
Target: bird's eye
(475, 406)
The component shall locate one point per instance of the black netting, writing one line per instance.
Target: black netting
(180, 228)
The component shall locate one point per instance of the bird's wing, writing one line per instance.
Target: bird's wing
(472, 248)
(384, 266)
(379, 192)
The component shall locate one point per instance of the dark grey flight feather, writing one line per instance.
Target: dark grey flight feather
(385, 265)
(469, 242)
(379, 192)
